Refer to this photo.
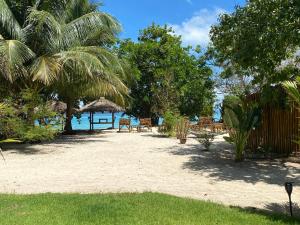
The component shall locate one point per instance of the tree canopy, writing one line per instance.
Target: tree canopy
(170, 77)
(63, 45)
(255, 40)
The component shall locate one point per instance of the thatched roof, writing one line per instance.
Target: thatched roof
(58, 106)
(101, 105)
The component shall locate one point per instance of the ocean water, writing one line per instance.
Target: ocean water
(84, 124)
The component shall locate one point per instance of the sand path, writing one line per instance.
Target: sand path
(139, 162)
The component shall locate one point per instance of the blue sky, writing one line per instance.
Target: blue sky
(190, 18)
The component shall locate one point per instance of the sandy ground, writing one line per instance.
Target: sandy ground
(140, 162)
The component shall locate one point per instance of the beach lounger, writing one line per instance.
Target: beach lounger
(145, 123)
(125, 123)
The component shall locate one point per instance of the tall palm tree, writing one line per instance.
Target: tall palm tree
(63, 45)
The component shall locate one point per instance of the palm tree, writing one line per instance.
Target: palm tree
(291, 88)
(240, 118)
(61, 44)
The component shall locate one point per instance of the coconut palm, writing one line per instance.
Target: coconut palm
(63, 45)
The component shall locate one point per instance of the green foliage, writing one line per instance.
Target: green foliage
(206, 139)
(169, 123)
(35, 134)
(293, 91)
(256, 38)
(61, 48)
(240, 118)
(18, 118)
(170, 77)
(127, 209)
(182, 128)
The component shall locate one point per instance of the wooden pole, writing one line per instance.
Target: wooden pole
(113, 120)
(90, 121)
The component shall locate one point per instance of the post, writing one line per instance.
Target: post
(113, 120)
(90, 120)
(289, 190)
(291, 207)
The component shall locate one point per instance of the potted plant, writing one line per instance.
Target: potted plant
(182, 129)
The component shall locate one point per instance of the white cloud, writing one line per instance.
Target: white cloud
(189, 1)
(195, 30)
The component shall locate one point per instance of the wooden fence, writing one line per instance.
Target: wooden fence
(278, 131)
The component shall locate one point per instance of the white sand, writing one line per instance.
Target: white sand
(139, 162)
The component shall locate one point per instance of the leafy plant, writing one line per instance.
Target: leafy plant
(15, 125)
(171, 77)
(33, 134)
(240, 119)
(291, 88)
(206, 139)
(61, 47)
(182, 128)
(169, 123)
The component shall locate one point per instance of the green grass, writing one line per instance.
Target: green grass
(124, 209)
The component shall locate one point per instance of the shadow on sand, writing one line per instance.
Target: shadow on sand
(63, 142)
(219, 164)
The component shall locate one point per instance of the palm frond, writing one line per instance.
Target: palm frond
(107, 58)
(80, 62)
(45, 69)
(9, 22)
(79, 29)
(77, 8)
(43, 31)
(292, 90)
(56, 8)
(85, 72)
(13, 55)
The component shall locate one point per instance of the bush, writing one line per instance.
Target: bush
(27, 118)
(35, 134)
(206, 139)
(182, 128)
(240, 118)
(169, 124)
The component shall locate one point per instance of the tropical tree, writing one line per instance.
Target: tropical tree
(256, 38)
(170, 77)
(254, 42)
(240, 118)
(291, 88)
(63, 45)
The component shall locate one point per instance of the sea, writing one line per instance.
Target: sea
(83, 122)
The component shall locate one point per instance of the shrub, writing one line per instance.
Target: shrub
(206, 139)
(33, 134)
(27, 118)
(169, 124)
(182, 128)
(240, 118)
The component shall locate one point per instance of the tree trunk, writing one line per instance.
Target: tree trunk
(30, 114)
(69, 115)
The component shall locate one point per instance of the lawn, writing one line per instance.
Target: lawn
(124, 209)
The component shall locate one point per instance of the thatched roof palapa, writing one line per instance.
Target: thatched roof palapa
(102, 105)
(58, 106)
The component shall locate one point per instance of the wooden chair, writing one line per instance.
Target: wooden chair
(145, 123)
(125, 123)
(218, 127)
(203, 123)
